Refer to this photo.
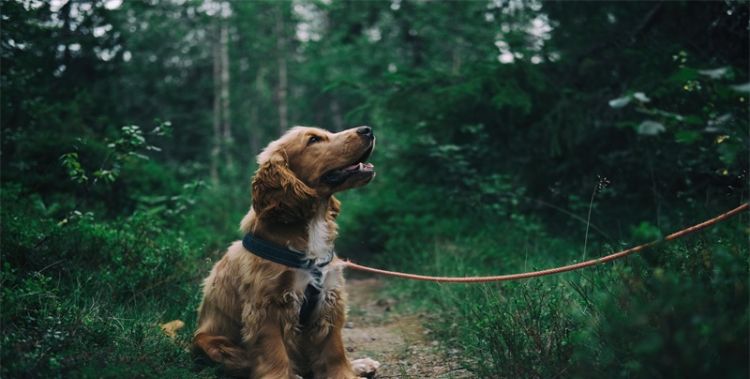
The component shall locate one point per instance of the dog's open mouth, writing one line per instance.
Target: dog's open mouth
(359, 168)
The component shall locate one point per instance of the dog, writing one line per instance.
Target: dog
(262, 316)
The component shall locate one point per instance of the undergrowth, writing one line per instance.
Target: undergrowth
(678, 310)
(83, 296)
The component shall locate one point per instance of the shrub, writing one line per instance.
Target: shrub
(84, 296)
(674, 311)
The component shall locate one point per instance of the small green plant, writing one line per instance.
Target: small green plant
(130, 144)
(75, 170)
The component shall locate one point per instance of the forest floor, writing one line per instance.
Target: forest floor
(399, 341)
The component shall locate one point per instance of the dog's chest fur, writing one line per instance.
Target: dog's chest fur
(319, 243)
(321, 233)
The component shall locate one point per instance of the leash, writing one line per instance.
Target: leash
(556, 270)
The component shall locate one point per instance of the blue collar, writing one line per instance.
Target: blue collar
(290, 258)
(284, 256)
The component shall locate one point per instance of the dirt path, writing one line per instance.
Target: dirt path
(398, 341)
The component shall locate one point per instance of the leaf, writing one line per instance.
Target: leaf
(728, 152)
(651, 128)
(717, 124)
(620, 102)
(659, 112)
(138, 155)
(152, 211)
(744, 88)
(626, 124)
(75, 171)
(646, 231)
(716, 73)
(640, 96)
(687, 136)
(152, 200)
(108, 176)
(692, 120)
(684, 74)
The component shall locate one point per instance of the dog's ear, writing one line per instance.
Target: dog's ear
(279, 194)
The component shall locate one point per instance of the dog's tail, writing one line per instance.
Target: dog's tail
(234, 359)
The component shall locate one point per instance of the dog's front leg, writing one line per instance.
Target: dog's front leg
(329, 359)
(332, 362)
(271, 358)
(264, 340)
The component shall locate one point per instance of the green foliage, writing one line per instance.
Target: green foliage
(83, 294)
(708, 117)
(645, 232)
(130, 144)
(691, 294)
(54, 331)
(78, 295)
(671, 312)
(75, 171)
(510, 134)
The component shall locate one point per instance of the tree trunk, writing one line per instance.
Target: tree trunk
(216, 140)
(254, 129)
(281, 92)
(65, 11)
(456, 60)
(226, 123)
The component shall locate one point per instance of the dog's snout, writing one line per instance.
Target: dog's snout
(365, 131)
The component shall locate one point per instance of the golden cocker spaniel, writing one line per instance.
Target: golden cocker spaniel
(274, 305)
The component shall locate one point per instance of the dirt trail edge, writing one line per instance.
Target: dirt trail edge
(398, 341)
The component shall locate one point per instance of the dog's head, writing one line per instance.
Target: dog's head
(307, 164)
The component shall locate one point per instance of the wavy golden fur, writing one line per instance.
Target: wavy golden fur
(249, 317)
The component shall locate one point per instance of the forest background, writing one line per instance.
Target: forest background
(512, 135)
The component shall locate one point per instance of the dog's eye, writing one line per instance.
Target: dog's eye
(312, 140)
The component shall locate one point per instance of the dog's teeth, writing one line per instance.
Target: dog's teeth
(360, 165)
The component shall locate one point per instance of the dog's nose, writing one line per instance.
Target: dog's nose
(365, 131)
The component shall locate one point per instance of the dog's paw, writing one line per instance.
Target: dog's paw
(365, 367)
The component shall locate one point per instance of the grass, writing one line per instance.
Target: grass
(60, 332)
(85, 297)
(678, 310)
